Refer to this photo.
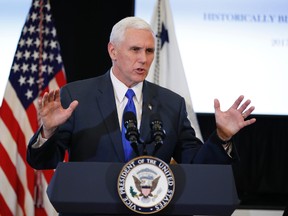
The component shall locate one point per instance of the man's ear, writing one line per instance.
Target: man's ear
(112, 51)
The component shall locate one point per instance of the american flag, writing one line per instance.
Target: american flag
(37, 67)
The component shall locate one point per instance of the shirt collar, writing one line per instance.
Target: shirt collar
(120, 88)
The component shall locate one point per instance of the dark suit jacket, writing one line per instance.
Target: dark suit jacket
(92, 133)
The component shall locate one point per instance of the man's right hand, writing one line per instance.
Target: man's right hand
(51, 112)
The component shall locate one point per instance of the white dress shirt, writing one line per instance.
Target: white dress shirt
(121, 100)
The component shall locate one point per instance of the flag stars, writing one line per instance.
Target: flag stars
(48, 7)
(35, 61)
(36, 4)
(44, 56)
(59, 59)
(27, 54)
(53, 44)
(50, 70)
(22, 42)
(24, 67)
(40, 29)
(51, 57)
(22, 80)
(35, 55)
(37, 42)
(31, 29)
(34, 17)
(18, 55)
(45, 44)
(25, 29)
(15, 67)
(33, 68)
(47, 31)
(29, 94)
(53, 32)
(31, 81)
(44, 68)
(48, 18)
(164, 35)
(29, 42)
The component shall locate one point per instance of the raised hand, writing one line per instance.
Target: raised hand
(228, 123)
(51, 112)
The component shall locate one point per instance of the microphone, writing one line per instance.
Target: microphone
(132, 133)
(157, 132)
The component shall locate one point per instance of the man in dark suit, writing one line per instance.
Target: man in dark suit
(85, 116)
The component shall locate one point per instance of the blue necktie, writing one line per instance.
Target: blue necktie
(130, 106)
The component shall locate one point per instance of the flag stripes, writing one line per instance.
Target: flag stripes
(37, 67)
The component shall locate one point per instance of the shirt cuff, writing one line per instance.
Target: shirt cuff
(227, 145)
(39, 142)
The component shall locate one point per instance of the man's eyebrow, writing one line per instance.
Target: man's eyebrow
(136, 47)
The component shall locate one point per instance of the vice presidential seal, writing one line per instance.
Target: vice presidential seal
(146, 185)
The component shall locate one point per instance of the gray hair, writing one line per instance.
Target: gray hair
(118, 31)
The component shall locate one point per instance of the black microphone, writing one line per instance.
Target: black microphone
(157, 132)
(132, 133)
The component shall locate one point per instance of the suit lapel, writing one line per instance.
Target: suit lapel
(107, 106)
(108, 110)
(150, 106)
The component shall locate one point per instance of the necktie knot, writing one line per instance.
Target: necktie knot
(130, 106)
(130, 94)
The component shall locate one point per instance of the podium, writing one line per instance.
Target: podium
(90, 188)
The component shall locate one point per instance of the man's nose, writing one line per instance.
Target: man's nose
(142, 57)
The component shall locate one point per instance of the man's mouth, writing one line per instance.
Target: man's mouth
(140, 70)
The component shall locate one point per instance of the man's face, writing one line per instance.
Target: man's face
(133, 57)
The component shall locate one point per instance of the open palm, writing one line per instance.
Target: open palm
(51, 112)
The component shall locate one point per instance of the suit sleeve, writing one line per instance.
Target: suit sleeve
(212, 152)
(53, 150)
(191, 150)
(48, 155)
